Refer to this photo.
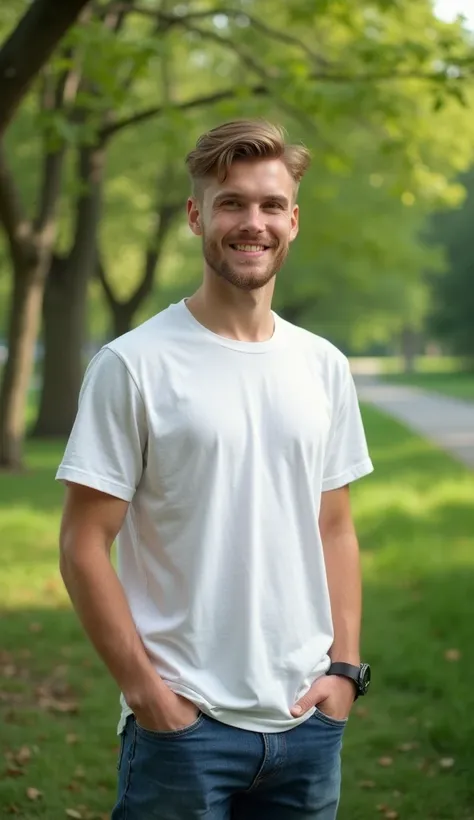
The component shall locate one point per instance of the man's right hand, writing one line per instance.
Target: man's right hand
(167, 713)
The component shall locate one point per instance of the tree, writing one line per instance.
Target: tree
(30, 242)
(452, 317)
(326, 67)
(29, 47)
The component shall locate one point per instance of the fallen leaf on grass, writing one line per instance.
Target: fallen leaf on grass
(56, 696)
(12, 809)
(446, 762)
(74, 813)
(33, 794)
(387, 812)
(71, 739)
(367, 784)
(23, 756)
(407, 747)
(80, 772)
(74, 786)
(13, 771)
(61, 671)
(35, 627)
(452, 655)
(385, 761)
(55, 705)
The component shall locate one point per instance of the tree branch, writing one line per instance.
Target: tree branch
(18, 227)
(29, 47)
(226, 42)
(148, 113)
(109, 294)
(164, 220)
(258, 25)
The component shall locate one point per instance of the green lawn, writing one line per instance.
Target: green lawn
(409, 747)
(460, 385)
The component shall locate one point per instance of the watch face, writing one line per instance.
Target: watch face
(365, 677)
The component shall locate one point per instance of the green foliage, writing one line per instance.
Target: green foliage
(386, 151)
(452, 318)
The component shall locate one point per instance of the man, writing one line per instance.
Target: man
(218, 441)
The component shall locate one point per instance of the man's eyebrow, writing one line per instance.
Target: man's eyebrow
(282, 200)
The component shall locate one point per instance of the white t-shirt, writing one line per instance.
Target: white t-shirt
(223, 449)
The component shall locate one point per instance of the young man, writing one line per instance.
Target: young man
(218, 442)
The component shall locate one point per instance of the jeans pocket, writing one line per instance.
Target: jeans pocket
(151, 734)
(329, 719)
(121, 748)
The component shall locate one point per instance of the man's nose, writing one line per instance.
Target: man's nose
(253, 220)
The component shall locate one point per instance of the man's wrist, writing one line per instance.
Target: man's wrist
(149, 687)
(345, 657)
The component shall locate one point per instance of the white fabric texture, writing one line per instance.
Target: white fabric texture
(223, 449)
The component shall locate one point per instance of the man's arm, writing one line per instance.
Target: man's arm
(90, 523)
(341, 555)
(335, 694)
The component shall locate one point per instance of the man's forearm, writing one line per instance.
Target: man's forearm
(341, 554)
(99, 600)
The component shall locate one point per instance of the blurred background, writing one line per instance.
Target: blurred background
(94, 240)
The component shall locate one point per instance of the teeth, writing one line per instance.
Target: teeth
(249, 247)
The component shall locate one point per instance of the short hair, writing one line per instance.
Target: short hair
(218, 148)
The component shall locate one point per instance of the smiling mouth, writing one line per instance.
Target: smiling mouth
(249, 248)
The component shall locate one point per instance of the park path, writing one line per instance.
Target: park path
(448, 422)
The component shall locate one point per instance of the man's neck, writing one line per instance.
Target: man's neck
(233, 313)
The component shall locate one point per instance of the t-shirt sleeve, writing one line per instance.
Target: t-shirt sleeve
(347, 456)
(107, 445)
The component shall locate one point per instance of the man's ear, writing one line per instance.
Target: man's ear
(194, 216)
(294, 223)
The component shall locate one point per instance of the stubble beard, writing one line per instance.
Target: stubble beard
(247, 279)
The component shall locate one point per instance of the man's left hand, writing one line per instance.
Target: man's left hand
(332, 694)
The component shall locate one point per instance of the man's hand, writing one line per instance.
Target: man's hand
(164, 711)
(332, 694)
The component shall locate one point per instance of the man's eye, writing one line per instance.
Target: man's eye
(230, 203)
(273, 206)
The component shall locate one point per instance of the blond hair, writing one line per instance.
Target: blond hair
(218, 148)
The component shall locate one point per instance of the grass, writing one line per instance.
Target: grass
(408, 747)
(423, 364)
(438, 374)
(457, 384)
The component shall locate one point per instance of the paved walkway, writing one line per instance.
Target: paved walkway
(448, 422)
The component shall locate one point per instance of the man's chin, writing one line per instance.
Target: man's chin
(248, 281)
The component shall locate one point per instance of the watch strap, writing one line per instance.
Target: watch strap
(346, 670)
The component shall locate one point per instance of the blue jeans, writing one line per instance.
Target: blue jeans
(214, 771)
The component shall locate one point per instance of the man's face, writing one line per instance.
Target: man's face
(247, 222)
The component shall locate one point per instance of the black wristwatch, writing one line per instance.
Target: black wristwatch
(359, 675)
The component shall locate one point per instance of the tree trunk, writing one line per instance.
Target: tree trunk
(65, 307)
(29, 46)
(30, 252)
(123, 312)
(63, 338)
(122, 318)
(28, 287)
(410, 341)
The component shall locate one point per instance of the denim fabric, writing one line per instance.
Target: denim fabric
(215, 771)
